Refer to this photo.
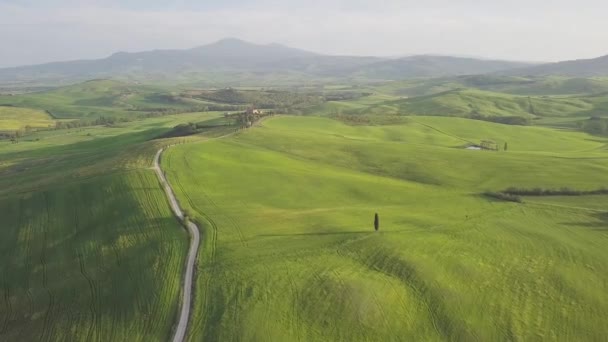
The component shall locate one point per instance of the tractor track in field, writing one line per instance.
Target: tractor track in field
(182, 323)
(48, 316)
(442, 132)
(9, 308)
(93, 292)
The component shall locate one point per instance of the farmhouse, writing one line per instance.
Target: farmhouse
(252, 111)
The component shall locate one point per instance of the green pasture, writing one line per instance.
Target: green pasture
(290, 253)
(89, 249)
(97, 260)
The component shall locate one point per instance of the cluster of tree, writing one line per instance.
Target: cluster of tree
(345, 96)
(12, 135)
(489, 145)
(505, 120)
(369, 119)
(101, 121)
(160, 111)
(565, 191)
(187, 129)
(595, 125)
(269, 99)
(247, 118)
(16, 135)
(237, 120)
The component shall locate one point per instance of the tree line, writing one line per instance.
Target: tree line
(514, 194)
(595, 125)
(505, 120)
(240, 120)
(565, 191)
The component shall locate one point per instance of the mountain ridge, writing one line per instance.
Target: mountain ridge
(231, 57)
(589, 67)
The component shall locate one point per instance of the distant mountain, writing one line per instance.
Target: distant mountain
(225, 54)
(434, 66)
(577, 68)
(230, 59)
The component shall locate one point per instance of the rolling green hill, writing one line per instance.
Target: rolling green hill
(89, 249)
(290, 253)
(540, 85)
(516, 85)
(466, 102)
(564, 111)
(97, 98)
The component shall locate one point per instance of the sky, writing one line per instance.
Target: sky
(39, 31)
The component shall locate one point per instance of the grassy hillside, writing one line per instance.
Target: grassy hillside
(96, 261)
(477, 104)
(290, 254)
(89, 250)
(517, 85)
(466, 102)
(13, 118)
(55, 157)
(544, 85)
(99, 98)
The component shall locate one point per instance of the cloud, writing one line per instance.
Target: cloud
(522, 30)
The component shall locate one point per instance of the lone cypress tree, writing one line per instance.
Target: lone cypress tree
(376, 222)
(506, 146)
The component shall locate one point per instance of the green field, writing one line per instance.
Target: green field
(51, 158)
(13, 119)
(106, 98)
(290, 253)
(85, 262)
(90, 250)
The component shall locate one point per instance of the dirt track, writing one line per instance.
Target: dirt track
(182, 324)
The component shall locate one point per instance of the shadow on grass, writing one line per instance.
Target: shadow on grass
(360, 232)
(97, 144)
(600, 224)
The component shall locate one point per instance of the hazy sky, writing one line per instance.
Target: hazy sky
(36, 31)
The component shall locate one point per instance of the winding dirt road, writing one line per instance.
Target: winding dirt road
(182, 324)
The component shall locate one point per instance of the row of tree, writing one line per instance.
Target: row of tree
(513, 194)
(505, 120)
(247, 118)
(595, 125)
(564, 191)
